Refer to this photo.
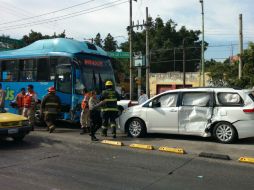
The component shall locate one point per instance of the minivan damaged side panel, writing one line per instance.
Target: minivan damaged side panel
(194, 119)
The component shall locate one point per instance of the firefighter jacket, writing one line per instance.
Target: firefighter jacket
(30, 100)
(110, 97)
(50, 104)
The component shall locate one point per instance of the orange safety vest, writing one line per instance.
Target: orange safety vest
(20, 100)
(84, 104)
(28, 99)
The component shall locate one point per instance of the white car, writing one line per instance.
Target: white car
(224, 113)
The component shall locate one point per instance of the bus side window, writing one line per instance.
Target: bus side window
(42, 69)
(9, 71)
(28, 70)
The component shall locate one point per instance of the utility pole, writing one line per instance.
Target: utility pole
(203, 47)
(184, 63)
(131, 57)
(241, 45)
(147, 56)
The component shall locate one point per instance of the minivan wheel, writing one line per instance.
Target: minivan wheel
(136, 128)
(224, 132)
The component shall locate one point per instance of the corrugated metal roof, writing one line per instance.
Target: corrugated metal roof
(57, 46)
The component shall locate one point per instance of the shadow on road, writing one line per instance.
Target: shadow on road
(29, 142)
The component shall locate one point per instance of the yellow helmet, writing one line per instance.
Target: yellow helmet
(108, 83)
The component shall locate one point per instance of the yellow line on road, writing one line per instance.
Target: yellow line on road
(246, 160)
(115, 143)
(142, 146)
(172, 150)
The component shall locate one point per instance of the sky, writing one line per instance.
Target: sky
(85, 18)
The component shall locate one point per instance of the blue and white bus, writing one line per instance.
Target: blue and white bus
(67, 64)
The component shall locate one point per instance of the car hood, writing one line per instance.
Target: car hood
(8, 117)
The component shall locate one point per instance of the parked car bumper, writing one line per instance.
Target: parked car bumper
(14, 131)
(245, 129)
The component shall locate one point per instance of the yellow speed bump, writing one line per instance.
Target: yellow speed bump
(115, 143)
(247, 160)
(142, 146)
(172, 150)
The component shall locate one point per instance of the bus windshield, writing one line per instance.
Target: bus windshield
(95, 71)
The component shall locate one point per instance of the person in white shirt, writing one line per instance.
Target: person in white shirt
(142, 98)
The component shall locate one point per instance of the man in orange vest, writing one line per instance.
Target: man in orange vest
(30, 101)
(84, 117)
(19, 100)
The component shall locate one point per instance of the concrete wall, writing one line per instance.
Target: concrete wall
(174, 79)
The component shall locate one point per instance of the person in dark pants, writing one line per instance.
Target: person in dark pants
(95, 115)
(50, 107)
(110, 109)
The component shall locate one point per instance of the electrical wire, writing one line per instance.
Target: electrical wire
(63, 17)
(44, 14)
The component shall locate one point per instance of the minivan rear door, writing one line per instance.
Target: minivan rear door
(195, 112)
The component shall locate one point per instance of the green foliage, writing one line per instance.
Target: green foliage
(110, 43)
(98, 40)
(34, 36)
(224, 74)
(163, 38)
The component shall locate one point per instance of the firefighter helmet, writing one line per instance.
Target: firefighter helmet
(51, 89)
(108, 83)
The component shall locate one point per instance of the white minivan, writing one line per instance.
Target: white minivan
(224, 113)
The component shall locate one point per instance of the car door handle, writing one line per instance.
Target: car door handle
(173, 110)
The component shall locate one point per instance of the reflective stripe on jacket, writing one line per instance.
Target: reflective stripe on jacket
(110, 97)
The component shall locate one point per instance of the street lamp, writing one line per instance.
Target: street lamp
(202, 49)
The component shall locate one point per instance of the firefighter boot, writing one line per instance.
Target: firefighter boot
(104, 131)
(113, 130)
(93, 138)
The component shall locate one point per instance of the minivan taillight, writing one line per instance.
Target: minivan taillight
(248, 110)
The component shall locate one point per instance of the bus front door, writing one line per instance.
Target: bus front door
(64, 88)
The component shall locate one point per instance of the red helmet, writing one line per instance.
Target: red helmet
(51, 89)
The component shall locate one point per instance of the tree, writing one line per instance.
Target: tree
(34, 36)
(109, 43)
(98, 40)
(166, 44)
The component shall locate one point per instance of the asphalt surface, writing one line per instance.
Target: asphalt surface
(67, 160)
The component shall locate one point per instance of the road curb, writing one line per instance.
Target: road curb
(114, 143)
(142, 146)
(249, 160)
(214, 156)
(172, 150)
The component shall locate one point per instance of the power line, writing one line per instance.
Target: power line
(97, 8)
(44, 14)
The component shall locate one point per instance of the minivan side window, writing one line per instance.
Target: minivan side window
(167, 100)
(201, 99)
(229, 99)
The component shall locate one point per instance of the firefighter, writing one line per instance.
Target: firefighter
(110, 109)
(84, 117)
(30, 101)
(19, 101)
(50, 107)
(95, 116)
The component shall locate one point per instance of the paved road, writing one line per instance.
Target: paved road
(59, 162)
